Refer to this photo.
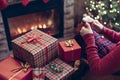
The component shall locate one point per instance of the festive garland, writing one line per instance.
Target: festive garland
(4, 4)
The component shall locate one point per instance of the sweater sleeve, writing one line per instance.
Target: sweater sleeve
(111, 34)
(107, 65)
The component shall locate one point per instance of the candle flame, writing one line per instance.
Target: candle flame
(19, 30)
(44, 26)
(32, 27)
(40, 26)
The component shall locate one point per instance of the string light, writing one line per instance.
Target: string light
(111, 6)
(112, 10)
(105, 23)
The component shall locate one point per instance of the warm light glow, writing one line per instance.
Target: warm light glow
(44, 26)
(49, 22)
(40, 26)
(19, 30)
(35, 27)
(32, 27)
(24, 30)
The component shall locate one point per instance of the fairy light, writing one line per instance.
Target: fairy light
(99, 11)
(86, 8)
(118, 11)
(117, 24)
(103, 8)
(100, 6)
(90, 9)
(105, 23)
(111, 6)
(96, 6)
(104, 12)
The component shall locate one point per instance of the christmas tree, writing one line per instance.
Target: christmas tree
(108, 10)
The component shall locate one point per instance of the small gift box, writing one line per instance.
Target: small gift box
(35, 47)
(38, 74)
(58, 70)
(11, 69)
(69, 50)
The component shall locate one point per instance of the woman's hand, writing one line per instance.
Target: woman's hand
(86, 30)
(98, 26)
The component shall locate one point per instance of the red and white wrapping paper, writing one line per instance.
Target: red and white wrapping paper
(37, 52)
(67, 70)
(38, 74)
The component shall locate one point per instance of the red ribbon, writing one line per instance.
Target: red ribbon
(33, 38)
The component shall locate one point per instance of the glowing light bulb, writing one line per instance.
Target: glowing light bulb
(117, 24)
(111, 6)
(104, 12)
(118, 11)
(105, 23)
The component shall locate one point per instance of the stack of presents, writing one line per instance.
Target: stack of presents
(39, 56)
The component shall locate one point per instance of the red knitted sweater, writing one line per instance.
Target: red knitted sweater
(108, 64)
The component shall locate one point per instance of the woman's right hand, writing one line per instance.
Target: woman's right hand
(98, 26)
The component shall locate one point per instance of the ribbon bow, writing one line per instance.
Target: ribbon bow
(68, 43)
(24, 67)
(32, 38)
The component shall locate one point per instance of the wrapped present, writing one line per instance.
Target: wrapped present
(38, 74)
(11, 69)
(35, 47)
(58, 70)
(69, 50)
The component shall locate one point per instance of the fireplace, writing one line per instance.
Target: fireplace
(47, 17)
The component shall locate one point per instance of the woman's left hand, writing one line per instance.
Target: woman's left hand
(86, 30)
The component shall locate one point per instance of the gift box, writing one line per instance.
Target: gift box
(58, 70)
(11, 69)
(69, 50)
(35, 47)
(38, 74)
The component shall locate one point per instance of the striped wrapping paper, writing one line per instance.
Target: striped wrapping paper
(67, 70)
(39, 53)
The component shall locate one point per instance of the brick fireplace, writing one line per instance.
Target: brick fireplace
(67, 21)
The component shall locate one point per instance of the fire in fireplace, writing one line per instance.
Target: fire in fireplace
(47, 17)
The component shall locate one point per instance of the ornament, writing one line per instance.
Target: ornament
(3, 4)
(54, 68)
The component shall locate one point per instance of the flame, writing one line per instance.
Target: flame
(24, 30)
(32, 27)
(40, 26)
(19, 30)
(35, 27)
(44, 26)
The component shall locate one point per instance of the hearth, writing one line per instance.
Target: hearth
(47, 17)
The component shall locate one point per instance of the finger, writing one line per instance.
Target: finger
(88, 25)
